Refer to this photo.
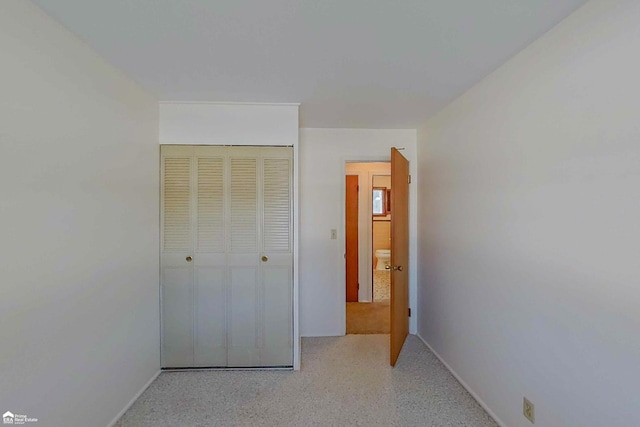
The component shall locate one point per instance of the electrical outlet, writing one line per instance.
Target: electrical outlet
(334, 234)
(528, 410)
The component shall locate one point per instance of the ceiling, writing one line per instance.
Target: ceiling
(349, 63)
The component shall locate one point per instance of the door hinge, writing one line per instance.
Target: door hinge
(409, 179)
(409, 312)
(357, 188)
(358, 286)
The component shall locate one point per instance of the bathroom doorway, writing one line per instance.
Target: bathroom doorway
(381, 237)
(367, 247)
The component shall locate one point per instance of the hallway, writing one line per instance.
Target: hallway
(368, 317)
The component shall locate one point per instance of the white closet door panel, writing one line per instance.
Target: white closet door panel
(177, 313)
(210, 303)
(243, 333)
(210, 348)
(277, 244)
(176, 245)
(277, 316)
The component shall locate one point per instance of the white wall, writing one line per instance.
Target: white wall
(323, 153)
(79, 321)
(529, 213)
(210, 123)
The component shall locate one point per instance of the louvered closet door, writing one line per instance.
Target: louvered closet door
(209, 260)
(229, 209)
(277, 247)
(243, 260)
(260, 257)
(176, 245)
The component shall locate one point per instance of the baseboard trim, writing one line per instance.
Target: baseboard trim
(224, 369)
(132, 401)
(464, 384)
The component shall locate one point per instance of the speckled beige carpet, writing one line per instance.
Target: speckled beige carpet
(368, 317)
(344, 381)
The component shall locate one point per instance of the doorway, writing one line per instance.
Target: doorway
(381, 238)
(367, 230)
(382, 202)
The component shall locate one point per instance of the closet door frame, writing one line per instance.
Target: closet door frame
(296, 241)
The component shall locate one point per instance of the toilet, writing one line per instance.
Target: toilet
(384, 259)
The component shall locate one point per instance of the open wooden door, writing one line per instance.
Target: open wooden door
(399, 252)
(351, 254)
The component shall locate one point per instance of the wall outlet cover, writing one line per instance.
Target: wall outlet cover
(528, 410)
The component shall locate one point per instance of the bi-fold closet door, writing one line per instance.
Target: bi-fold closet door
(226, 256)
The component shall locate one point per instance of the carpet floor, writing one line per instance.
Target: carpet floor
(344, 381)
(368, 317)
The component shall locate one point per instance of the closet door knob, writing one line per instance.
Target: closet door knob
(264, 258)
(189, 259)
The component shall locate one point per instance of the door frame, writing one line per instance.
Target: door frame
(352, 236)
(296, 238)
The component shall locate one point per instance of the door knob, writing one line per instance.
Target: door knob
(264, 258)
(189, 259)
(397, 267)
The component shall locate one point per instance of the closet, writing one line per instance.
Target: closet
(226, 256)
